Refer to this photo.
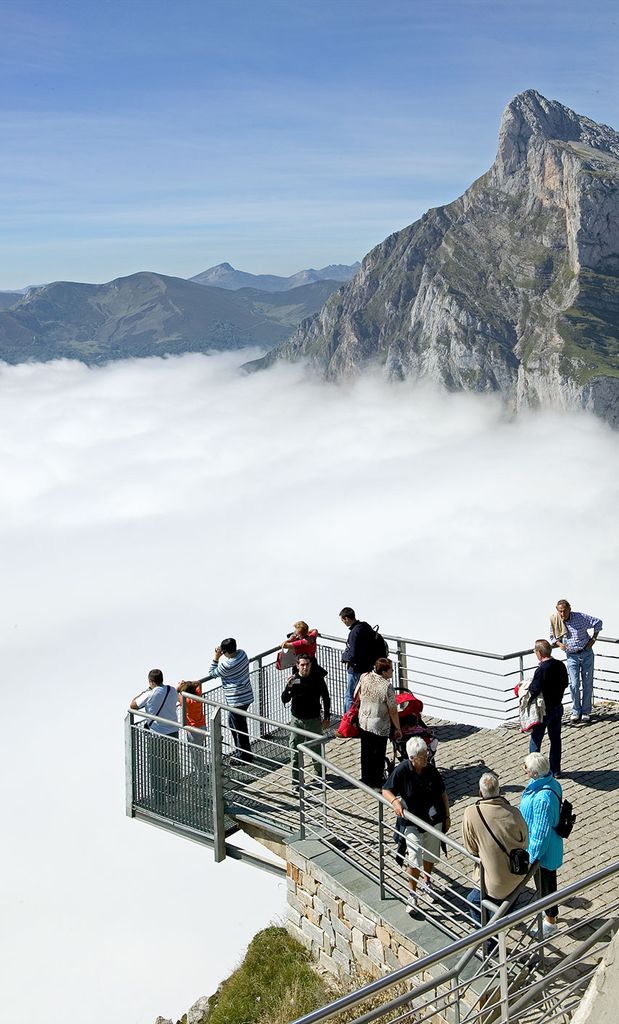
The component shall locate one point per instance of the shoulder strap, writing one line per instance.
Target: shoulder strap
(497, 841)
(549, 789)
(165, 697)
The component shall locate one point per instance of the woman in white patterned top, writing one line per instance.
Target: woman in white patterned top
(377, 713)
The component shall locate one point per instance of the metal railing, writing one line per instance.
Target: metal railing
(207, 788)
(516, 983)
(455, 683)
(201, 785)
(363, 833)
(175, 781)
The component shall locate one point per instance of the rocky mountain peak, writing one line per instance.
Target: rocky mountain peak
(531, 119)
(512, 288)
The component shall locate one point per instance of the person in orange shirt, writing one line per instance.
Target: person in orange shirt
(194, 717)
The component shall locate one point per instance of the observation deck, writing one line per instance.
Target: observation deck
(334, 837)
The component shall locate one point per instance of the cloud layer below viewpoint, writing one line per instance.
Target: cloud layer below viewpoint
(150, 508)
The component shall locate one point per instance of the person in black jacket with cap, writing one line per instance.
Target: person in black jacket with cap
(305, 692)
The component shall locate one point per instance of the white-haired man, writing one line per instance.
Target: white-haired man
(417, 787)
(491, 827)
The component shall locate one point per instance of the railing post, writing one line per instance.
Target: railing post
(482, 896)
(381, 851)
(455, 1000)
(402, 663)
(183, 710)
(323, 781)
(261, 701)
(301, 793)
(129, 770)
(503, 976)
(219, 827)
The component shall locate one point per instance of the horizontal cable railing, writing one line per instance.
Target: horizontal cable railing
(363, 833)
(474, 692)
(508, 986)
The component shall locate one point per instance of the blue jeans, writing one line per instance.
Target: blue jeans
(552, 723)
(474, 897)
(351, 686)
(580, 670)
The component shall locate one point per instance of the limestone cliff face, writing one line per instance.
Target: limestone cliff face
(514, 287)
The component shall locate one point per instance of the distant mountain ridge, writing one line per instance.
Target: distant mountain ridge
(148, 314)
(226, 276)
(8, 299)
(512, 288)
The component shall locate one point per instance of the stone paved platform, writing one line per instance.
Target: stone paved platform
(590, 780)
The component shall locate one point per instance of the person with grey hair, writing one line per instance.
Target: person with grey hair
(575, 633)
(417, 787)
(492, 827)
(541, 807)
(551, 680)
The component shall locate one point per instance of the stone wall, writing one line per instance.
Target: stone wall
(342, 933)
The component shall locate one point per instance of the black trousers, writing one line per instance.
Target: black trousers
(548, 885)
(373, 750)
(240, 733)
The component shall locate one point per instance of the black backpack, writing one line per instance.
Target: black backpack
(567, 817)
(381, 647)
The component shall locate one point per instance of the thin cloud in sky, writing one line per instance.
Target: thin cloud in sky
(315, 102)
(152, 507)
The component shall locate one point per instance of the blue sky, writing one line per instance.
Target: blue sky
(273, 134)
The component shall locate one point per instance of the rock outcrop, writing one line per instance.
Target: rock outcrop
(512, 288)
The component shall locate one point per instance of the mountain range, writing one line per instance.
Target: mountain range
(512, 288)
(225, 276)
(148, 314)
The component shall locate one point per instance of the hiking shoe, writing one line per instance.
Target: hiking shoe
(411, 904)
(548, 929)
(586, 719)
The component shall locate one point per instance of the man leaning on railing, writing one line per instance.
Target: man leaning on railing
(416, 786)
(159, 700)
(231, 665)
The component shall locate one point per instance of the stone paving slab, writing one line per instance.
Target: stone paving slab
(590, 780)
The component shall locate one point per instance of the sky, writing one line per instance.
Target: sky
(275, 135)
(156, 506)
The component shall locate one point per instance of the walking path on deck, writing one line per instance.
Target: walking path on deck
(590, 780)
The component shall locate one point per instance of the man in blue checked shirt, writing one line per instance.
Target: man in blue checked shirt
(570, 631)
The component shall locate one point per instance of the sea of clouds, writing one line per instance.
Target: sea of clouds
(150, 508)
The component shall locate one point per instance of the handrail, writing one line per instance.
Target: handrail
(500, 911)
(330, 766)
(443, 836)
(439, 647)
(226, 707)
(419, 966)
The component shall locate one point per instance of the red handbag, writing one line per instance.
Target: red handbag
(348, 728)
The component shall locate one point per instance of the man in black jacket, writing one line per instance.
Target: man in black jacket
(551, 680)
(306, 691)
(359, 654)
